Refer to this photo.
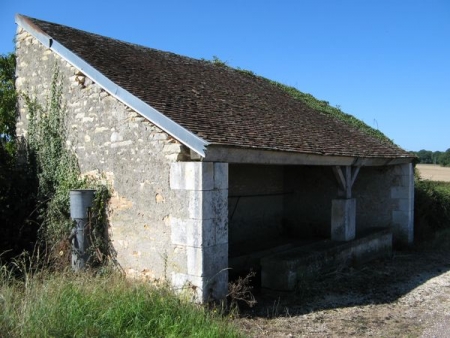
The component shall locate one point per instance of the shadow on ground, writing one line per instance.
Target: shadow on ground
(378, 282)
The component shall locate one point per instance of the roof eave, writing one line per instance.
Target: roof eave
(183, 135)
(221, 153)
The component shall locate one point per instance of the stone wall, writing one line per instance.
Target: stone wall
(402, 197)
(308, 210)
(202, 232)
(372, 193)
(256, 194)
(112, 141)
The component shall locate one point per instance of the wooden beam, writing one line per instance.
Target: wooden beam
(346, 180)
(355, 174)
(339, 177)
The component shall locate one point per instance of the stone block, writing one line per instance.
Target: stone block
(220, 175)
(400, 192)
(201, 233)
(404, 204)
(207, 261)
(178, 231)
(193, 232)
(406, 181)
(399, 217)
(403, 226)
(216, 287)
(159, 136)
(208, 204)
(201, 289)
(404, 169)
(343, 215)
(188, 285)
(121, 144)
(172, 148)
(192, 176)
(284, 270)
(221, 228)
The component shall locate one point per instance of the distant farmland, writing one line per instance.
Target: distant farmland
(434, 172)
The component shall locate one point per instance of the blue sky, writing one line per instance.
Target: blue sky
(387, 62)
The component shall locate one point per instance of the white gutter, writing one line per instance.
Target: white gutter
(183, 135)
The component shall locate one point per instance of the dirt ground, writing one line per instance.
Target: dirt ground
(407, 296)
(434, 172)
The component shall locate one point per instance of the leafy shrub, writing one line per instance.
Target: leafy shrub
(57, 173)
(18, 184)
(8, 99)
(431, 208)
(36, 176)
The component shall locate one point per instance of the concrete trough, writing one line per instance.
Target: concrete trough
(283, 271)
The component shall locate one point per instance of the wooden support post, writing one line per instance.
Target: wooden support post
(343, 213)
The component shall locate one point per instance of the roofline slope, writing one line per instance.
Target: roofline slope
(180, 133)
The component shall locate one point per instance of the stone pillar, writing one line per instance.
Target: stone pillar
(343, 215)
(203, 231)
(402, 195)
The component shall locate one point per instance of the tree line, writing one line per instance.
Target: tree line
(434, 157)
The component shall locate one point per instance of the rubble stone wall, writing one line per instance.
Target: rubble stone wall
(116, 144)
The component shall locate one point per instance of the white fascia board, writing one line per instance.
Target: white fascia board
(180, 133)
(216, 153)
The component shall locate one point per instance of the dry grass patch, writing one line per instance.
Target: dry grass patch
(434, 172)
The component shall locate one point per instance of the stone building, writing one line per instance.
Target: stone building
(210, 165)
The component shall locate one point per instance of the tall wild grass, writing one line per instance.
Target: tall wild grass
(69, 305)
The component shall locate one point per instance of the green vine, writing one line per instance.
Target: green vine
(58, 172)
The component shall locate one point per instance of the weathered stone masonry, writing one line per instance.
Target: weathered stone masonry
(203, 232)
(402, 195)
(111, 140)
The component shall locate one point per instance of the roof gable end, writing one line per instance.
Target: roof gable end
(186, 137)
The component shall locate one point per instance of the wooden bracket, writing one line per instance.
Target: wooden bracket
(346, 179)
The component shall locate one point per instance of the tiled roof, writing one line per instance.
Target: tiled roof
(219, 104)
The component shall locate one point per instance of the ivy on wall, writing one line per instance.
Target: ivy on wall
(57, 173)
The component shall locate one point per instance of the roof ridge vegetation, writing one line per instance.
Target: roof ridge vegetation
(326, 108)
(314, 103)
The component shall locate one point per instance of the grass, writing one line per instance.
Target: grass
(69, 305)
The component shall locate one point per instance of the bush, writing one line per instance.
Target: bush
(431, 209)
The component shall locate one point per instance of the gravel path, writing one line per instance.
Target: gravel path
(408, 296)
